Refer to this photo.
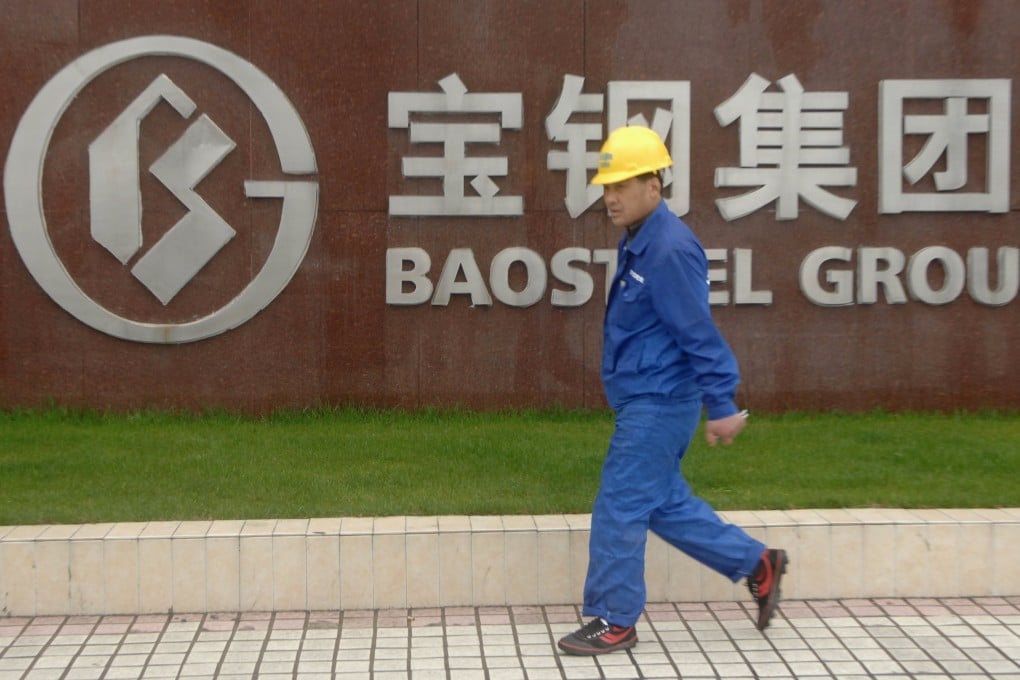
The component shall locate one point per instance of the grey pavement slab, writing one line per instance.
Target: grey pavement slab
(959, 638)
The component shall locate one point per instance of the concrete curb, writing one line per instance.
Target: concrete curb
(396, 562)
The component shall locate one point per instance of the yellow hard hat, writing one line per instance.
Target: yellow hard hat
(628, 152)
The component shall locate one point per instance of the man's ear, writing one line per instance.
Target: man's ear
(658, 184)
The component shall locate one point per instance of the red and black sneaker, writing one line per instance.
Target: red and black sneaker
(598, 637)
(764, 583)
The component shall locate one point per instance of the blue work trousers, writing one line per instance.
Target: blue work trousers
(641, 489)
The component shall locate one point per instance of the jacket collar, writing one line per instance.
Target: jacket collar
(645, 234)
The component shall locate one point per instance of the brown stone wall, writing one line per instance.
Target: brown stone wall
(331, 338)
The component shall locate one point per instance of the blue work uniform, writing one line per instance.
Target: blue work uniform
(663, 361)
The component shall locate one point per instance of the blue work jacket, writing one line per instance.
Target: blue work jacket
(658, 336)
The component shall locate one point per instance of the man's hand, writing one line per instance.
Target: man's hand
(725, 430)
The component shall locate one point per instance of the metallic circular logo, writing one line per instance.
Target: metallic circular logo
(115, 201)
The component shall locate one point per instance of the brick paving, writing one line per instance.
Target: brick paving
(959, 638)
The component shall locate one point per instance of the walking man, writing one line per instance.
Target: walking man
(663, 362)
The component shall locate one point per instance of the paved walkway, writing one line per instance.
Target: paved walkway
(957, 638)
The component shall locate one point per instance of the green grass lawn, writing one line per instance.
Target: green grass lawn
(61, 467)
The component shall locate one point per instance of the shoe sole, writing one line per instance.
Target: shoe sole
(773, 602)
(595, 651)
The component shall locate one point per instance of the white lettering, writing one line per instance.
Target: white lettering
(499, 277)
(841, 292)
(606, 256)
(461, 260)
(717, 275)
(934, 275)
(953, 279)
(831, 276)
(873, 274)
(1008, 263)
(408, 268)
(742, 291)
(578, 279)
(397, 276)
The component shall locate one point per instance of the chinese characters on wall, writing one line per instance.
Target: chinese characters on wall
(791, 145)
(790, 148)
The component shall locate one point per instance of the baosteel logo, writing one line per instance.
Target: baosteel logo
(167, 264)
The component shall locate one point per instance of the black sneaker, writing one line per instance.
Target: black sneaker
(764, 583)
(598, 637)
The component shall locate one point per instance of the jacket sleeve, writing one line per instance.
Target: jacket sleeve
(686, 314)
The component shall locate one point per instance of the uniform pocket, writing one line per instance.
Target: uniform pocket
(633, 307)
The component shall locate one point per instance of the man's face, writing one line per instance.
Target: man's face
(632, 200)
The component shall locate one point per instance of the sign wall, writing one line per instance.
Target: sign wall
(258, 205)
